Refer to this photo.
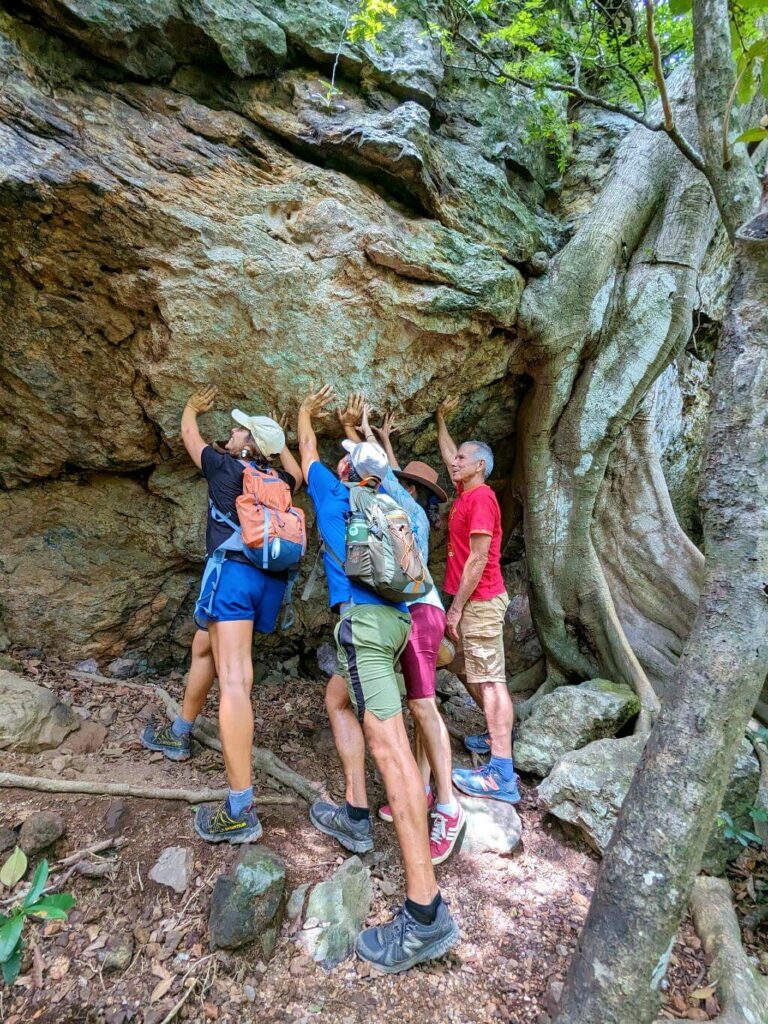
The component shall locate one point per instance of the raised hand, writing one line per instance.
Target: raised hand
(448, 405)
(203, 399)
(282, 421)
(350, 417)
(316, 402)
(388, 427)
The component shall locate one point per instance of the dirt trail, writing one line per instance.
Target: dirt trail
(519, 916)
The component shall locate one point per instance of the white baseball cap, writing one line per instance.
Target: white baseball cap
(367, 459)
(267, 434)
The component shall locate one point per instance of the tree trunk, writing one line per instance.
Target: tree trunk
(657, 845)
(619, 295)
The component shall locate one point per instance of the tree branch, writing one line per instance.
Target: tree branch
(191, 796)
(658, 71)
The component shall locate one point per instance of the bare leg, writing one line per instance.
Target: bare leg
(202, 672)
(231, 643)
(420, 755)
(349, 740)
(499, 715)
(388, 743)
(431, 729)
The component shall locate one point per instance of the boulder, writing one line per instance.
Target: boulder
(88, 739)
(586, 789)
(336, 912)
(247, 904)
(173, 868)
(569, 719)
(492, 826)
(31, 717)
(40, 830)
(123, 668)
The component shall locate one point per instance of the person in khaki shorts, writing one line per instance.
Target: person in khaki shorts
(475, 620)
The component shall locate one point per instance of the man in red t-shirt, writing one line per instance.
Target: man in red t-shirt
(475, 619)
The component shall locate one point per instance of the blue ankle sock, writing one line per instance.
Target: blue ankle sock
(450, 810)
(504, 766)
(181, 727)
(239, 800)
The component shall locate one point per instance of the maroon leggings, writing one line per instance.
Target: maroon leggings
(419, 659)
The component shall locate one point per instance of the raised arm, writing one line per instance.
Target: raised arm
(350, 417)
(201, 401)
(315, 404)
(287, 460)
(383, 433)
(479, 547)
(447, 445)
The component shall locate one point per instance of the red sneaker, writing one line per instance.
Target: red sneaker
(446, 830)
(385, 811)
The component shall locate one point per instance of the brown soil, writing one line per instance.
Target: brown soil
(519, 916)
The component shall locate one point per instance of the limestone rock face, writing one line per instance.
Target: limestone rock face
(31, 718)
(586, 789)
(569, 719)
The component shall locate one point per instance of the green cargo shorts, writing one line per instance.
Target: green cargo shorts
(369, 641)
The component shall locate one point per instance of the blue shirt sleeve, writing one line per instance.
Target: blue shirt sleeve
(320, 481)
(418, 517)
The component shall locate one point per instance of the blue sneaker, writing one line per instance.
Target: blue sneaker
(480, 744)
(486, 782)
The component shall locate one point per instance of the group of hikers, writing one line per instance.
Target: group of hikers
(374, 521)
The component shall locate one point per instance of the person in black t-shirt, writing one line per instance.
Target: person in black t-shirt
(232, 604)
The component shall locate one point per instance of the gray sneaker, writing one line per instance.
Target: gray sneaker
(356, 836)
(404, 942)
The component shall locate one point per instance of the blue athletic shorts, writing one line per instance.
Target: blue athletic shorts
(240, 592)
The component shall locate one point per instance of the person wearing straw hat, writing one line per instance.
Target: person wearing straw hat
(233, 603)
(417, 491)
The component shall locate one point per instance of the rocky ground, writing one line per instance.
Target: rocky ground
(134, 949)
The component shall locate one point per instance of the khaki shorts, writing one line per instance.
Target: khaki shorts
(480, 653)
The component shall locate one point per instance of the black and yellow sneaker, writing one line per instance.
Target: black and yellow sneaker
(175, 748)
(216, 825)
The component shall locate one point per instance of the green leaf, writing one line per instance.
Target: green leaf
(680, 6)
(14, 868)
(758, 49)
(56, 906)
(753, 135)
(12, 966)
(39, 879)
(9, 936)
(746, 89)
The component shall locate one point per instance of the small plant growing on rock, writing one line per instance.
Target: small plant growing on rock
(32, 904)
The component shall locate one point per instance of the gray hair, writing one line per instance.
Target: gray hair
(483, 452)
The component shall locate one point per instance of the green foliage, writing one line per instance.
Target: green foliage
(369, 20)
(743, 836)
(34, 904)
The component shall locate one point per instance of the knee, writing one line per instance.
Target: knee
(201, 644)
(235, 677)
(336, 696)
(422, 711)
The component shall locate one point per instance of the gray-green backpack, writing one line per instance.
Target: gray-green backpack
(382, 552)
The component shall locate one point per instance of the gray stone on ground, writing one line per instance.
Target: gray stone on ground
(447, 684)
(90, 665)
(117, 954)
(88, 739)
(492, 826)
(569, 719)
(173, 868)
(247, 904)
(336, 912)
(295, 904)
(326, 658)
(586, 788)
(117, 816)
(31, 717)
(123, 668)
(40, 830)
(8, 838)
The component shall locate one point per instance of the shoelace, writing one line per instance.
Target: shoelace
(438, 828)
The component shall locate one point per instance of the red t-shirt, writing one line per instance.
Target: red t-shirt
(474, 511)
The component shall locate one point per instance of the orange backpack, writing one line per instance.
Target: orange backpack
(274, 532)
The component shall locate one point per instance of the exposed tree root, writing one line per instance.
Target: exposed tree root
(190, 796)
(208, 734)
(741, 991)
(529, 679)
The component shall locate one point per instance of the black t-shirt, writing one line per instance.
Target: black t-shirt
(224, 474)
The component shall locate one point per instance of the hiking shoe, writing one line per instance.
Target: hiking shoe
(404, 942)
(486, 782)
(216, 825)
(480, 744)
(356, 836)
(385, 811)
(446, 830)
(175, 748)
